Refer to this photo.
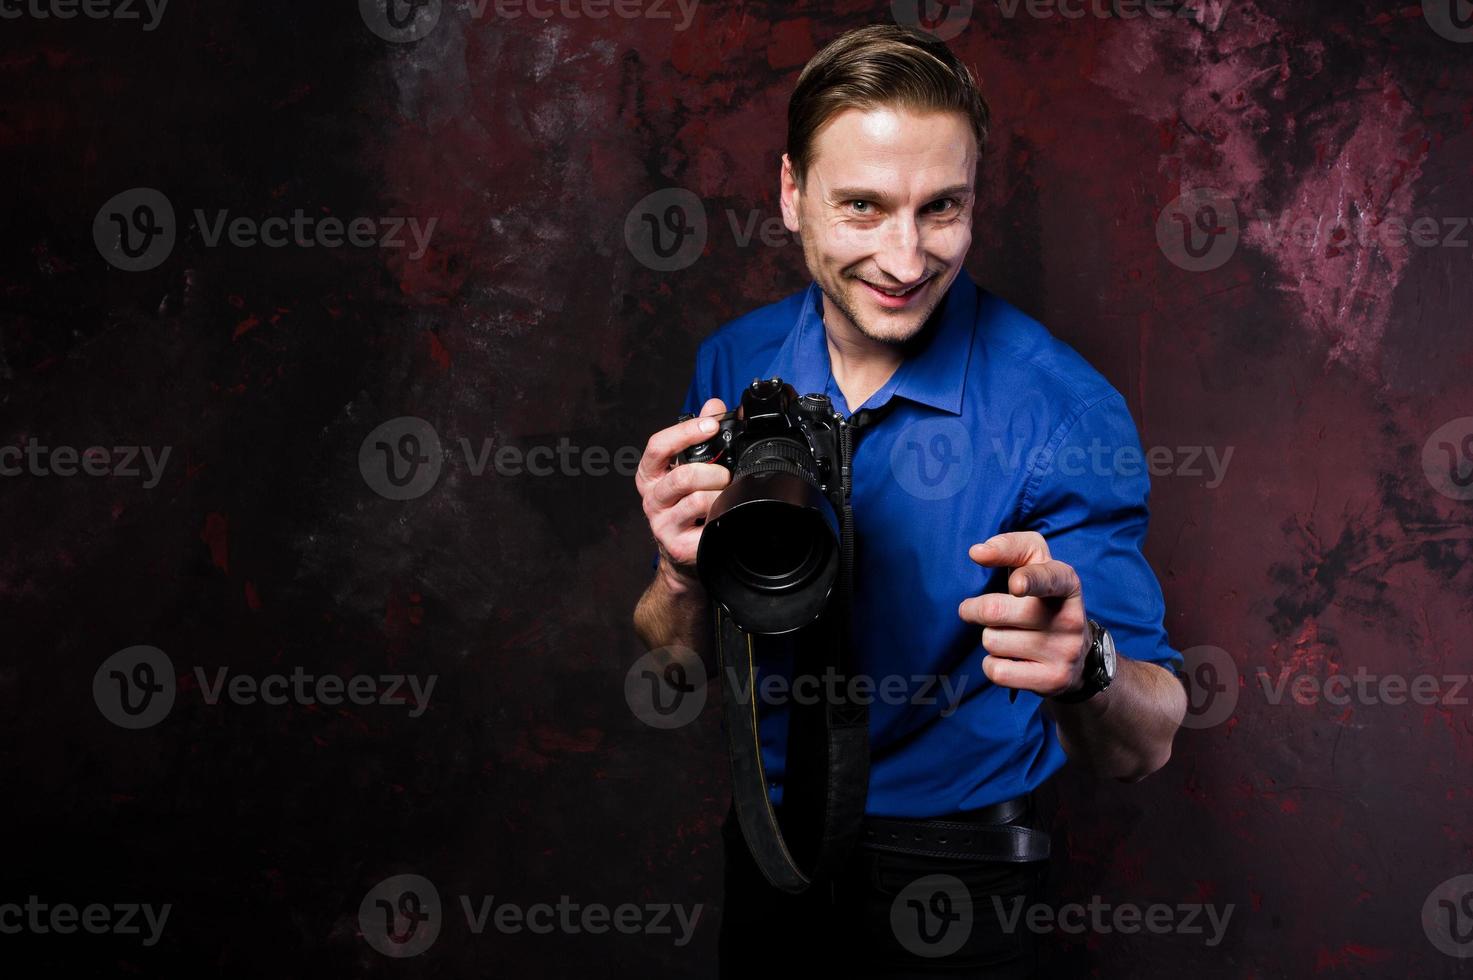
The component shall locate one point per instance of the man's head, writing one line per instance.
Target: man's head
(884, 130)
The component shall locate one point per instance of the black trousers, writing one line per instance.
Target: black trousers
(888, 915)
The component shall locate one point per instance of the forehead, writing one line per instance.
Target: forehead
(892, 146)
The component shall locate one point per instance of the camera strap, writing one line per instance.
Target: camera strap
(828, 754)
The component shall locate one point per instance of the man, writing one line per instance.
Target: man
(1000, 507)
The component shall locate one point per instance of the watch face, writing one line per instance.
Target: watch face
(1107, 648)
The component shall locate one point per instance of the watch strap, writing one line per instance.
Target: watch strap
(1094, 679)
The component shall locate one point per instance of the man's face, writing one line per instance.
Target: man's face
(886, 208)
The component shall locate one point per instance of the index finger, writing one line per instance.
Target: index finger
(1051, 579)
(665, 444)
(1000, 609)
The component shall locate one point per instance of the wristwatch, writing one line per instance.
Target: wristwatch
(1099, 666)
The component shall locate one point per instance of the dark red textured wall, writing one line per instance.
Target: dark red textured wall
(1296, 329)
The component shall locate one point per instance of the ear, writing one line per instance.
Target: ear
(790, 195)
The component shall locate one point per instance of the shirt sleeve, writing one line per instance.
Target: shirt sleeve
(1087, 495)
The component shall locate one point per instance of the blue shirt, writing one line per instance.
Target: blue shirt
(999, 427)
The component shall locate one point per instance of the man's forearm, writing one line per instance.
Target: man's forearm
(674, 611)
(1126, 730)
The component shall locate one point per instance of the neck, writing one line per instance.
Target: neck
(861, 364)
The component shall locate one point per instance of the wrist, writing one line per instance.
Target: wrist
(679, 583)
(1098, 669)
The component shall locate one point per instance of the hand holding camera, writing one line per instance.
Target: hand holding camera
(771, 551)
(676, 500)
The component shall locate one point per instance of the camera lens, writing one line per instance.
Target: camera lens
(769, 553)
(779, 549)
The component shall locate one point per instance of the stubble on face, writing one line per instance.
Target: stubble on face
(904, 160)
(893, 331)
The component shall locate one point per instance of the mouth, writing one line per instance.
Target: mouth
(895, 299)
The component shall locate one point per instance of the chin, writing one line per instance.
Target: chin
(892, 331)
(888, 328)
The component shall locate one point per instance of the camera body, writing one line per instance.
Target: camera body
(771, 549)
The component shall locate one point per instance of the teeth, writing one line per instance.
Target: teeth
(903, 292)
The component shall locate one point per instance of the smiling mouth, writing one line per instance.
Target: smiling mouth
(898, 293)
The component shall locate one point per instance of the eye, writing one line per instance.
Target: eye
(862, 207)
(942, 205)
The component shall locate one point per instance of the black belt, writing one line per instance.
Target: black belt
(988, 834)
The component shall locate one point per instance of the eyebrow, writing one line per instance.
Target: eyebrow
(870, 194)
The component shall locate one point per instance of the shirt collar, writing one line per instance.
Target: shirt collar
(935, 375)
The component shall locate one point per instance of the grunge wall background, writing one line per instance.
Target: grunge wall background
(420, 237)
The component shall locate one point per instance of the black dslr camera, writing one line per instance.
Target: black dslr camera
(772, 549)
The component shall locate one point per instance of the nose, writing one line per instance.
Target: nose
(901, 257)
